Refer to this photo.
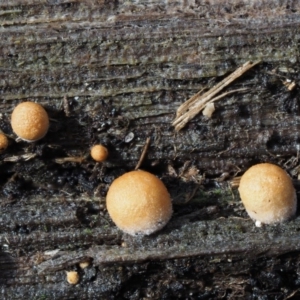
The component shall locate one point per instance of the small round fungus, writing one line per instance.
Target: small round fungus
(29, 121)
(72, 277)
(99, 153)
(139, 203)
(3, 142)
(268, 194)
(84, 264)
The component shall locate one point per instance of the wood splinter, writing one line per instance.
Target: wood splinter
(76, 159)
(144, 152)
(189, 109)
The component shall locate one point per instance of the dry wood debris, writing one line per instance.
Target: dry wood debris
(144, 152)
(189, 109)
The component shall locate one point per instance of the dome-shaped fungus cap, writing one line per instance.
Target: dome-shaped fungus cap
(72, 277)
(3, 142)
(99, 153)
(139, 203)
(29, 121)
(268, 194)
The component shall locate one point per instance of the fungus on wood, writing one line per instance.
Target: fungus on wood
(29, 121)
(139, 203)
(268, 194)
(3, 142)
(99, 153)
(105, 71)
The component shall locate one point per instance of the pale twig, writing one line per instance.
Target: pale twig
(66, 106)
(292, 294)
(184, 106)
(222, 84)
(196, 103)
(24, 157)
(142, 157)
(76, 159)
(197, 107)
(226, 94)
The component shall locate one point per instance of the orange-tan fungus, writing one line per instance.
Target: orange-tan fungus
(72, 277)
(3, 142)
(268, 194)
(99, 153)
(84, 264)
(29, 121)
(139, 203)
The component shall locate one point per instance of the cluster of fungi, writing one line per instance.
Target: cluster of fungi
(139, 203)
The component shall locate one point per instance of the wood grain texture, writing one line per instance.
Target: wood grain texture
(123, 68)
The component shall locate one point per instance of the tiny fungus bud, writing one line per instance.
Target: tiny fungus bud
(3, 142)
(208, 110)
(99, 153)
(268, 194)
(29, 121)
(139, 203)
(72, 277)
(84, 264)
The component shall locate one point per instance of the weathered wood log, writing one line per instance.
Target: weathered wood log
(115, 72)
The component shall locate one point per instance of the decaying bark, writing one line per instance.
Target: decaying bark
(115, 72)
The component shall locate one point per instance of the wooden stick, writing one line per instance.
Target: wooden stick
(76, 159)
(196, 103)
(194, 110)
(184, 107)
(142, 157)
